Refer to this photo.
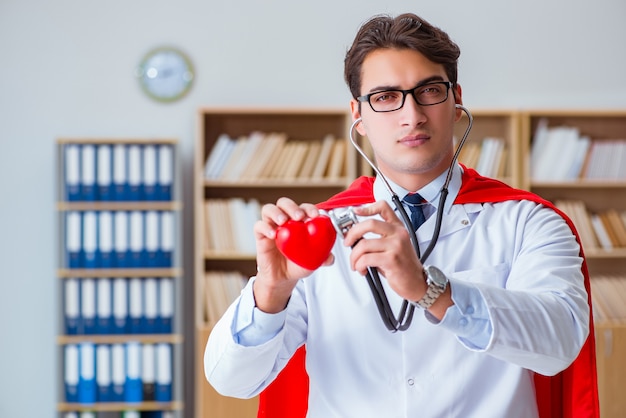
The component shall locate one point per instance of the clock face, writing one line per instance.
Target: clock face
(166, 74)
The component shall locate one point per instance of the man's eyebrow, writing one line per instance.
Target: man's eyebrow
(396, 87)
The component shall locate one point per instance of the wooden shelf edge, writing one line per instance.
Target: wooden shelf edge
(579, 184)
(158, 141)
(122, 272)
(121, 406)
(599, 253)
(127, 206)
(271, 183)
(120, 338)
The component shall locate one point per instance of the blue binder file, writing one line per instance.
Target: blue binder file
(166, 304)
(104, 307)
(103, 373)
(88, 172)
(136, 239)
(121, 252)
(88, 305)
(151, 304)
(73, 240)
(104, 250)
(120, 306)
(87, 377)
(135, 191)
(72, 306)
(104, 177)
(166, 169)
(167, 239)
(133, 389)
(90, 239)
(120, 173)
(71, 364)
(149, 172)
(148, 365)
(163, 387)
(72, 172)
(152, 253)
(135, 306)
(118, 372)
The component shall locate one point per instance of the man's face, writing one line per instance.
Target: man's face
(413, 144)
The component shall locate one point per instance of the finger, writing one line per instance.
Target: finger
(380, 208)
(291, 208)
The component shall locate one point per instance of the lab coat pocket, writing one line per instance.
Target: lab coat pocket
(492, 275)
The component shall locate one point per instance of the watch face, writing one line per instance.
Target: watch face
(166, 74)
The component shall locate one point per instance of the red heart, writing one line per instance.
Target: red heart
(307, 244)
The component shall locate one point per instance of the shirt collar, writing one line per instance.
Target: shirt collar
(431, 192)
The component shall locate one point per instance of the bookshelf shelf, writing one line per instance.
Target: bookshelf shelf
(120, 283)
(122, 406)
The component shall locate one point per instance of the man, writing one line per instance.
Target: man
(501, 299)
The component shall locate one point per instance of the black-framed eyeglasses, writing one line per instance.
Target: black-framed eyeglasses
(428, 94)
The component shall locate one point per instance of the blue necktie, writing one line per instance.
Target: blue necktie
(414, 202)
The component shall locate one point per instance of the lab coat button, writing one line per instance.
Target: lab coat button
(470, 310)
(411, 382)
(463, 322)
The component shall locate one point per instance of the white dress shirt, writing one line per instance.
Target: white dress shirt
(520, 308)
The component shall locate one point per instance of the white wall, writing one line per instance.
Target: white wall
(66, 69)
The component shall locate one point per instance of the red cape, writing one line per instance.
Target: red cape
(570, 394)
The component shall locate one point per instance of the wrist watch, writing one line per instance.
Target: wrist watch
(437, 283)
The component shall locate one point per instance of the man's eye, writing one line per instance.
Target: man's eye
(385, 96)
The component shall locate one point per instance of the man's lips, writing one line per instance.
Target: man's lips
(414, 140)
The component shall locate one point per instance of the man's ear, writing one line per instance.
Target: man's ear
(355, 109)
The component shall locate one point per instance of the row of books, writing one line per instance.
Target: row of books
(263, 156)
(488, 157)
(605, 230)
(220, 289)
(229, 224)
(608, 295)
(129, 372)
(562, 153)
(120, 414)
(119, 239)
(118, 172)
(118, 305)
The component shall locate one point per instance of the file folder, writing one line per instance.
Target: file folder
(88, 172)
(118, 372)
(131, 414)
(90, 236)
(133, 389)
(149, 171)
(163, 387)
(136, 242)
(134, 173)
(88, 305)
(104, 178)
(72, 306)
(152, 239)
(87, 377)
(167, 239)
(104, 307)
(120, 173)
(73, 243)
(166, 170)
(120, 306)
(103, 373)
(121, 249)
(135, 306)
(71, 414)
(73, 190)
(104, 251)
(148, 363)
(151, 303)
(71, 363)
(166, 304)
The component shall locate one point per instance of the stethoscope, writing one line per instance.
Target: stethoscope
(405, 316)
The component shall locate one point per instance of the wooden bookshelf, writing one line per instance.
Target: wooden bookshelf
(170, 271)
(302, 126)
(514, 127)
(598, 196)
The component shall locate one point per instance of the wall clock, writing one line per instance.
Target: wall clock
(165, 74)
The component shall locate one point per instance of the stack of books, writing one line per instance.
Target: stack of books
(229, 225)
(488, 157)
(220, 289)
(608, 294)
(261, 157)
(603, 230)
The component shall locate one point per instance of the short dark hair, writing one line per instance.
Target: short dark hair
(406, 31)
